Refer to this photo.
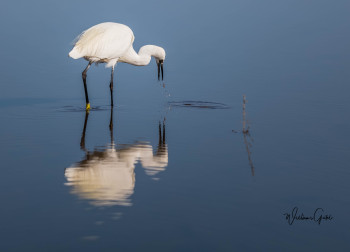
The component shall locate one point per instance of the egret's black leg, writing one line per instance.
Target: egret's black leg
(85, 87)
(111, 86)
(158, 67)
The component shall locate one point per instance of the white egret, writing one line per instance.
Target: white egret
(111, 43)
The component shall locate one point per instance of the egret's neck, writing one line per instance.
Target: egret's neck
(142, 58)
(131, 57)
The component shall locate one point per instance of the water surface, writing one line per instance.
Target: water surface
(176, 165)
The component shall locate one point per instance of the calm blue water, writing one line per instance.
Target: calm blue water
(174, 172)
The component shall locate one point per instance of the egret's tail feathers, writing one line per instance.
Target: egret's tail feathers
(75, 54)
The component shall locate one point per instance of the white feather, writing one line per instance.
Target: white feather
(111, 42)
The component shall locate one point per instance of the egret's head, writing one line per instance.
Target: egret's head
(159, 55)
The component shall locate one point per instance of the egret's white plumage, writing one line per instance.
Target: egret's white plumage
(112, 42)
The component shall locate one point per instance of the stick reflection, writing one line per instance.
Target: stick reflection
(247, 141)
(246, 136)
(106, 176)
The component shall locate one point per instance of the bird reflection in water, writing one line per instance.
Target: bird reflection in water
(106, 177)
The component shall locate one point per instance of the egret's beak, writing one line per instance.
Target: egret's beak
(160, 69)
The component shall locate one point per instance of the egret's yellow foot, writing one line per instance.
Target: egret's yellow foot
(88, 106)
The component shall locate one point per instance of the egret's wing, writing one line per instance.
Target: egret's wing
(104, 41)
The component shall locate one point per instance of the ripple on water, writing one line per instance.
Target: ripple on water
(198, 104)
(80, 108)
